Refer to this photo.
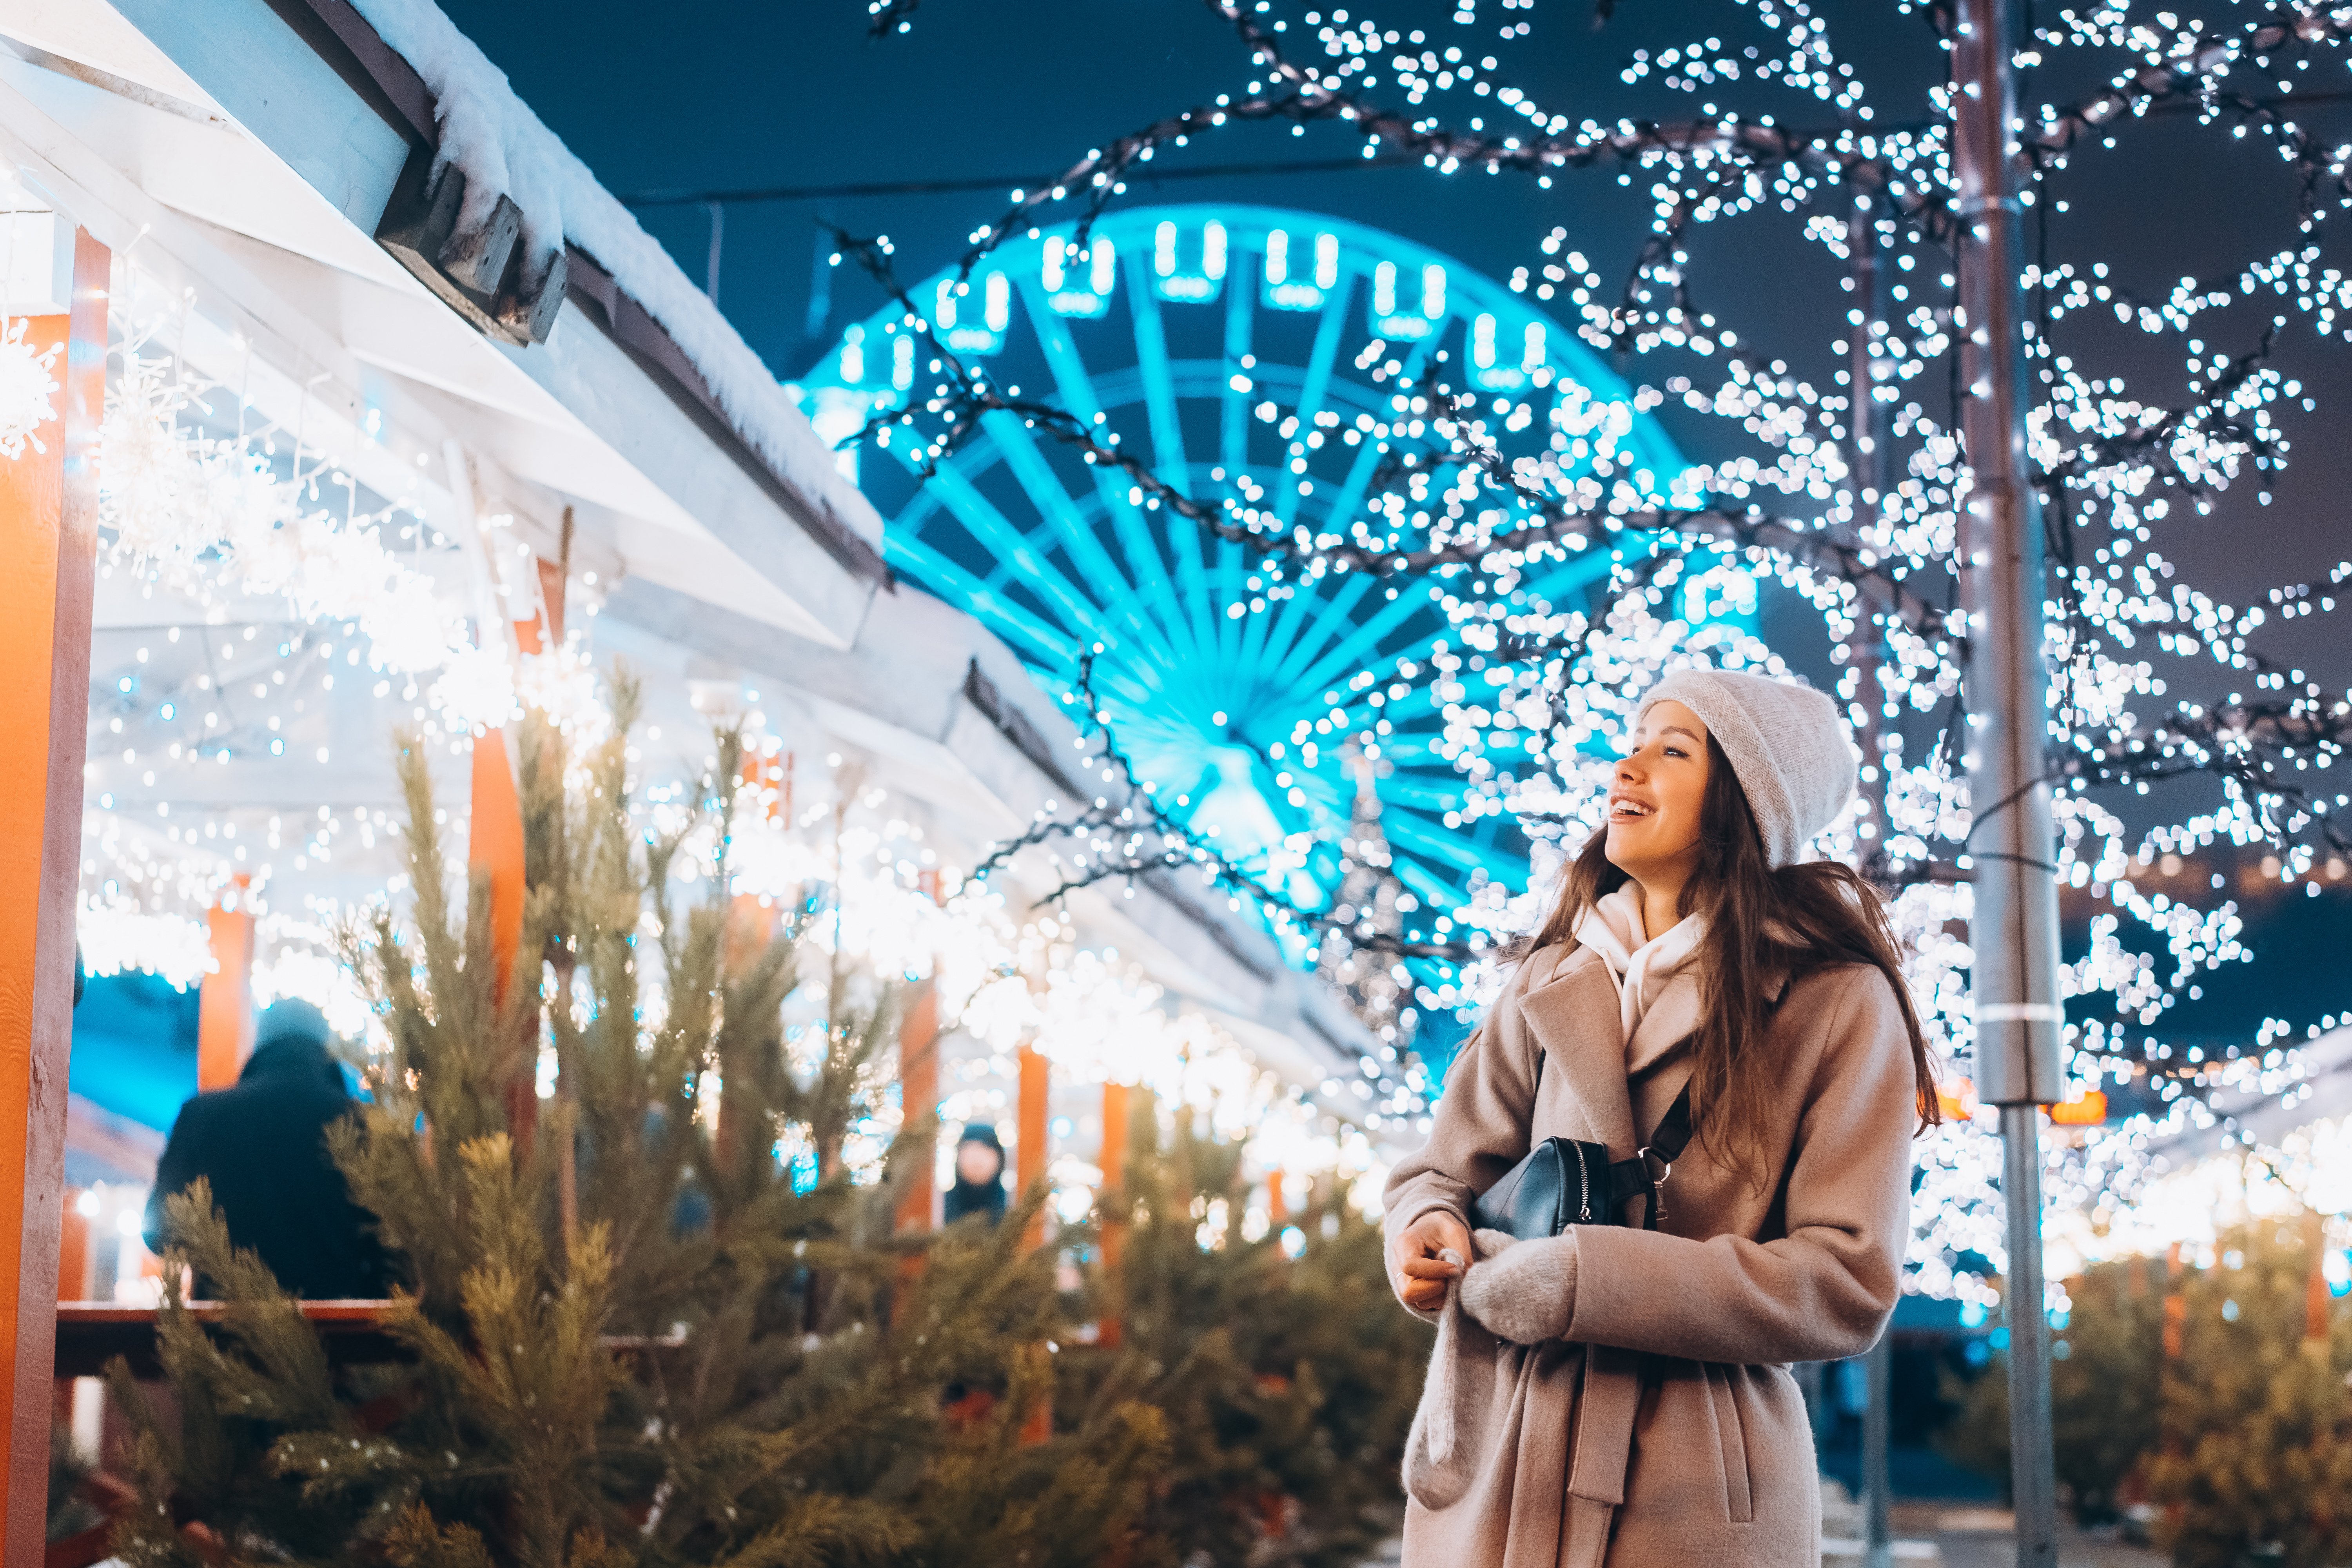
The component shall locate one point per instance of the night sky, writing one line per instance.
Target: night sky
(733, 94)
(738, 94)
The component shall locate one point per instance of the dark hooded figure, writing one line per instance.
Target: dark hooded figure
(263, 1146)
(980, 1175)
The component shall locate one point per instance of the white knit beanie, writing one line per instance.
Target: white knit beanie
(1787, 748)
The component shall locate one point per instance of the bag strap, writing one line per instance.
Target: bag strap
(1674, 1131)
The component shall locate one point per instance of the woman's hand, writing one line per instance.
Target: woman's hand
(1416, 1271)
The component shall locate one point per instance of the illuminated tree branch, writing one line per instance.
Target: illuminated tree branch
(1127, 834)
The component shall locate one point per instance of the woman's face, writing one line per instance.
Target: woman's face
(978, 1163)
(1653, 806)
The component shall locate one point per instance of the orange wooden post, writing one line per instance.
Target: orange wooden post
(48, 536)
(919, 1107)
(551, 587)
(1029, 1168)
(73, 1249)
(224, 1001)
(1029, 1152)
(750, 927)
(2316, 1296)
(494, 850)
(2176, 1306)
(1112, 1329)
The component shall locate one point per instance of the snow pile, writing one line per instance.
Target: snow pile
(503, 148)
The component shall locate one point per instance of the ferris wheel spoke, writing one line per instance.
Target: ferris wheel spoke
(1062, 515)
(1350, 496)
(1427, 885)
(1440, 846)
(1016, 554)
(1311, 392)
(1329, 612)
(1168, 450)
(1149, 680)
(1418, 702)
(1077, 387)
(1297, 612)
(1158, 387)
(1232, 384)
(1355, 648)
(1422, 776)
(1233, 443)
(1416, 785)
(1255, 629)
(1165, 426)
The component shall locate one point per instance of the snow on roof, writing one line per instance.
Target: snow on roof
(503, 148)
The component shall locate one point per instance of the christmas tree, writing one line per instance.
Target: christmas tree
(2255, 1453)
(632, 1337)
(2218, 1391)
(2103, 1392)
(1286, 1384)
(1370, 902)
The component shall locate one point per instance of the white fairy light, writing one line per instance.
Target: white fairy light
(206, 514)
(116, 936)
(28, 383)
(476, 688)
(1519, 692)
(561, 684)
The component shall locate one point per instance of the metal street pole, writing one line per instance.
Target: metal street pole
(2014, 933)
(1871, 467)
(1871, 461)
(1877, 1489)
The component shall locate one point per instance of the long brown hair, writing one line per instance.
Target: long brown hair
(1760, 922)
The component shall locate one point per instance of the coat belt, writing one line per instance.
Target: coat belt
(1612, 1397)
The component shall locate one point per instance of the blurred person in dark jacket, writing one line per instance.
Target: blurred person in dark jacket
(262, 1145)
(980, 1175)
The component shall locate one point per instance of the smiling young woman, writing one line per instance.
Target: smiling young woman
(1616, 1394)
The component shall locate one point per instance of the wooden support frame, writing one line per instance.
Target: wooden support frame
(1029, 1155)
(918, 1109)
(494, 852)
(224, 1002)
(1111, 1330)
(48, 530)
(1030, 1134)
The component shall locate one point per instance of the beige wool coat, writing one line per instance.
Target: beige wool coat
(1662, 1429)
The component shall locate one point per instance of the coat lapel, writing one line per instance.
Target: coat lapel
(1669, 1021)
(1574, 1019)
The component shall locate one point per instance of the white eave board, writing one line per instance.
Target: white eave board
(584, 417)
(274, 85)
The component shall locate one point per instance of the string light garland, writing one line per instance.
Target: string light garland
(1524, 694)
(1127, 834)
(198, 511)
(890, 17)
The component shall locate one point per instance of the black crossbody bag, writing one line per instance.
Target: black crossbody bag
(1563, 1182)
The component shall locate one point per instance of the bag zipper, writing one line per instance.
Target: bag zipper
(1584, 1177)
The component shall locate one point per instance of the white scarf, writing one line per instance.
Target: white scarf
(1639, 965)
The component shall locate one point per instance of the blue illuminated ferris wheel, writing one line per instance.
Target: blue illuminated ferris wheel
(1247, 352)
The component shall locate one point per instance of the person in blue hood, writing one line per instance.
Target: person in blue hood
(262, 1145)
(979, 1176)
